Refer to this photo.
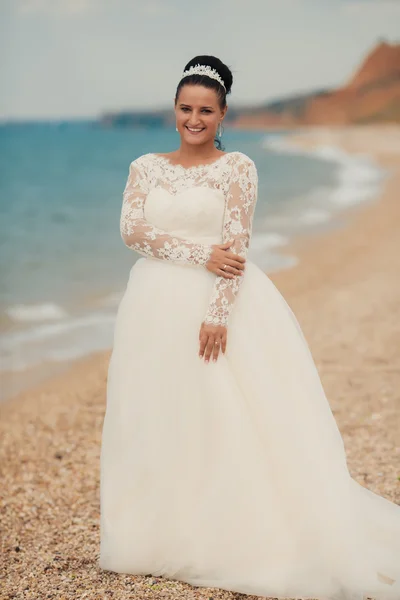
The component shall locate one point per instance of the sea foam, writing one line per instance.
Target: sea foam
(359, 177)
(36, 312)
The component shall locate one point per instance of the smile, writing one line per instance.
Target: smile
(194, 131)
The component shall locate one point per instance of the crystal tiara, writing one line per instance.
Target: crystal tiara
(204, 70)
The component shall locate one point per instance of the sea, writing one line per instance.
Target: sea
(63, 265)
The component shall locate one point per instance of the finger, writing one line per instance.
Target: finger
(226, 245)
(225, 274)
(235, 264)
(203, 344)
(216, 348)
(209, 348)
(235, 257)
(228, 268)
(223, 342)
(235, 270)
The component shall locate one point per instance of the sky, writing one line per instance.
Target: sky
(82, 58)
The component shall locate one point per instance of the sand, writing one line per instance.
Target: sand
(345, 291)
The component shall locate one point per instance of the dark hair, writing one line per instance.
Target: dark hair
(223, 71)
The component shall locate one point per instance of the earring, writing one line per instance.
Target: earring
(176, 129)
(220, 129)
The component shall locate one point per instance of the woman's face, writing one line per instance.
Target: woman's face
(198, 114)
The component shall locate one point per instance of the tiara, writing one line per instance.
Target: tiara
(204, 70)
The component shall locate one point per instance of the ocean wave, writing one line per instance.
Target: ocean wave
(268, 240)
(262, 254)
(36, 312)
(358, 180)
(65, 340)
(314, 216)
(273, 262)
(359, 177)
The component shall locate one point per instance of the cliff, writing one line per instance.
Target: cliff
(372, 94)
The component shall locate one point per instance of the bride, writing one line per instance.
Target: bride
(221, 461)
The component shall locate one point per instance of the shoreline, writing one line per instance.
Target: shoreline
(345, 293)
(351, 315)
(15, 383)
(353, 217)
(313, 250)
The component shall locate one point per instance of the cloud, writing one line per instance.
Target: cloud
(54, 7)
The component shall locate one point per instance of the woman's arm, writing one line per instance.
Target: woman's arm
(140, 235)
(239, 211)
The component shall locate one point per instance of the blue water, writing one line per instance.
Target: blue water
(63, 264)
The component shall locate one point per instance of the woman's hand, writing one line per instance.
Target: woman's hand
(225, 263)
(212, 339)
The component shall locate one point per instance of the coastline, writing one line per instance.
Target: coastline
(37, 348)
(345, 292)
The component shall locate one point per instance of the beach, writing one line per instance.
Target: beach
(345, 292)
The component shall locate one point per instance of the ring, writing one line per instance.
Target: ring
(216, 343)
(224, 267)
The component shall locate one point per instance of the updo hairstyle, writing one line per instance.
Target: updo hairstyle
(223, 71)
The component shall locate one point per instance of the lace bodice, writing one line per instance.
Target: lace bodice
(176, 214)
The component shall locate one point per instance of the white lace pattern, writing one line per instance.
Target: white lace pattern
(240, 203)
(234, 174)
(145, 238)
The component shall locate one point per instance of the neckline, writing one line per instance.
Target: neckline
(193, 167)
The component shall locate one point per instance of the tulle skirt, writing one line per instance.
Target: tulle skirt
(231, 474)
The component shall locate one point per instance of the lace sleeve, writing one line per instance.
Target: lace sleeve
(140, 235)
(239, 210)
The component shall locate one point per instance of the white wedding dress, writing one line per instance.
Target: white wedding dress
(230, 474)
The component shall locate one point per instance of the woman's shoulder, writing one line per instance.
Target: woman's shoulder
(241, 157)
(243, 164)
(142, 160)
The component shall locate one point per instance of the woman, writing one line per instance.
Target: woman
(228, 472)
